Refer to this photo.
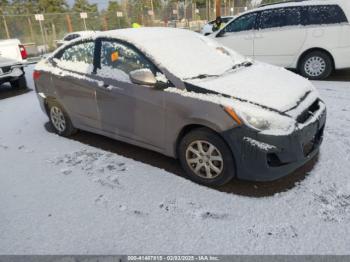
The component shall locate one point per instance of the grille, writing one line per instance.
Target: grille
(303, 117)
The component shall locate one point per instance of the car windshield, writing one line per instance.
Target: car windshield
(183, 53)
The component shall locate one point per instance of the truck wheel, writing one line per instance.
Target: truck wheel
(206, 158)
(60, 120)
(20, 83)
(316, 65)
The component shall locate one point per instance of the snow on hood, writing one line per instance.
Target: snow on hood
(263, 84)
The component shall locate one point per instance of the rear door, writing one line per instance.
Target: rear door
(75, 87)
(130, 111)
(328, 28)
(239, 34)
(280, 36)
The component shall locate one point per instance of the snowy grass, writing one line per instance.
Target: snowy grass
(59, 196)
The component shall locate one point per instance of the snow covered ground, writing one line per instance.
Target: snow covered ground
(61, 196)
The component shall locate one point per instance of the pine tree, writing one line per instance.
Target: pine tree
(52, 6)
(84, 6)
(115, 22)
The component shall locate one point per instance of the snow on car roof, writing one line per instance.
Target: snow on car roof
(343, 3)
(182, 52)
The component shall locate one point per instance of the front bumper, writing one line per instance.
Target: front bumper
(260, 157)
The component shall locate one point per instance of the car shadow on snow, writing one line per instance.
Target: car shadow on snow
(6, 91)
(340, 75)
(237, 187)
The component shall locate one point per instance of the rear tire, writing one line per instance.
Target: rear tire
(316, 65)
(20, 83)
(60, 120)
(206, 158)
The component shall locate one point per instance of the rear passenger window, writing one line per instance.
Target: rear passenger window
(324, 14)
(78, 57)
(290, 16)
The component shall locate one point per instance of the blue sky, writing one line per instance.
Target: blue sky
(102, 4)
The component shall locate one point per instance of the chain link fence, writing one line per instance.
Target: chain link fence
(55, 26)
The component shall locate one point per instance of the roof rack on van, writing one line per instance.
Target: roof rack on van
(282, 2)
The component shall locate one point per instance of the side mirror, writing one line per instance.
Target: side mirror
(143, 77)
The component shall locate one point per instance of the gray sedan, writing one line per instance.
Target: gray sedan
(186, 96)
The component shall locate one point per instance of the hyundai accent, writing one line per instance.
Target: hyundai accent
(186, 96)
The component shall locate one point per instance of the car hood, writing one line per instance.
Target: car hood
(266, 85)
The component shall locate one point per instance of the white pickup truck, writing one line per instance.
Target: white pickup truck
(13, 57)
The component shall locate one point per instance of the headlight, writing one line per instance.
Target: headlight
(263, 120)
(258, 123)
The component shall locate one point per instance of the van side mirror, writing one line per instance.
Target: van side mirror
(143, 77)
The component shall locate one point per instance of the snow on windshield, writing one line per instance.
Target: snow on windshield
(184, 53)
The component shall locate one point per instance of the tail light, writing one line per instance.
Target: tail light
(36, 75)
(23, 52)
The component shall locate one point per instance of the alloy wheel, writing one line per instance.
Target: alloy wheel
(57, 118)
(204, 159)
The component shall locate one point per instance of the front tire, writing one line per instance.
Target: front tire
(316, 65)
(206, 158)
(60, 120)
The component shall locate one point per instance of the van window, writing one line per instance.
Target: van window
(324, 14)
(243, 23)
(280, 17)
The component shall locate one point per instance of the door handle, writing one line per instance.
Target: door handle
(110, 87)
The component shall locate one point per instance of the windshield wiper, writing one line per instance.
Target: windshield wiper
(244, 64)
(202, 76)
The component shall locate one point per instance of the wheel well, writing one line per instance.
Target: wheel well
(47, 101)
(313, 50)
(185, 130)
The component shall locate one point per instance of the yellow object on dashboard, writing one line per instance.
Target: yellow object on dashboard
(114, 56)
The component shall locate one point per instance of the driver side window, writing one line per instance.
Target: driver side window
(118, 60)
(244, 23)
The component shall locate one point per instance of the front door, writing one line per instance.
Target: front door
(126, 109)
(239, 34)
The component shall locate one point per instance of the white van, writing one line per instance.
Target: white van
(310, 36)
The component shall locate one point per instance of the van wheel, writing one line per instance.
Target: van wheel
(60, 120)
(316, 65)
(206, 158)
(20, 83)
